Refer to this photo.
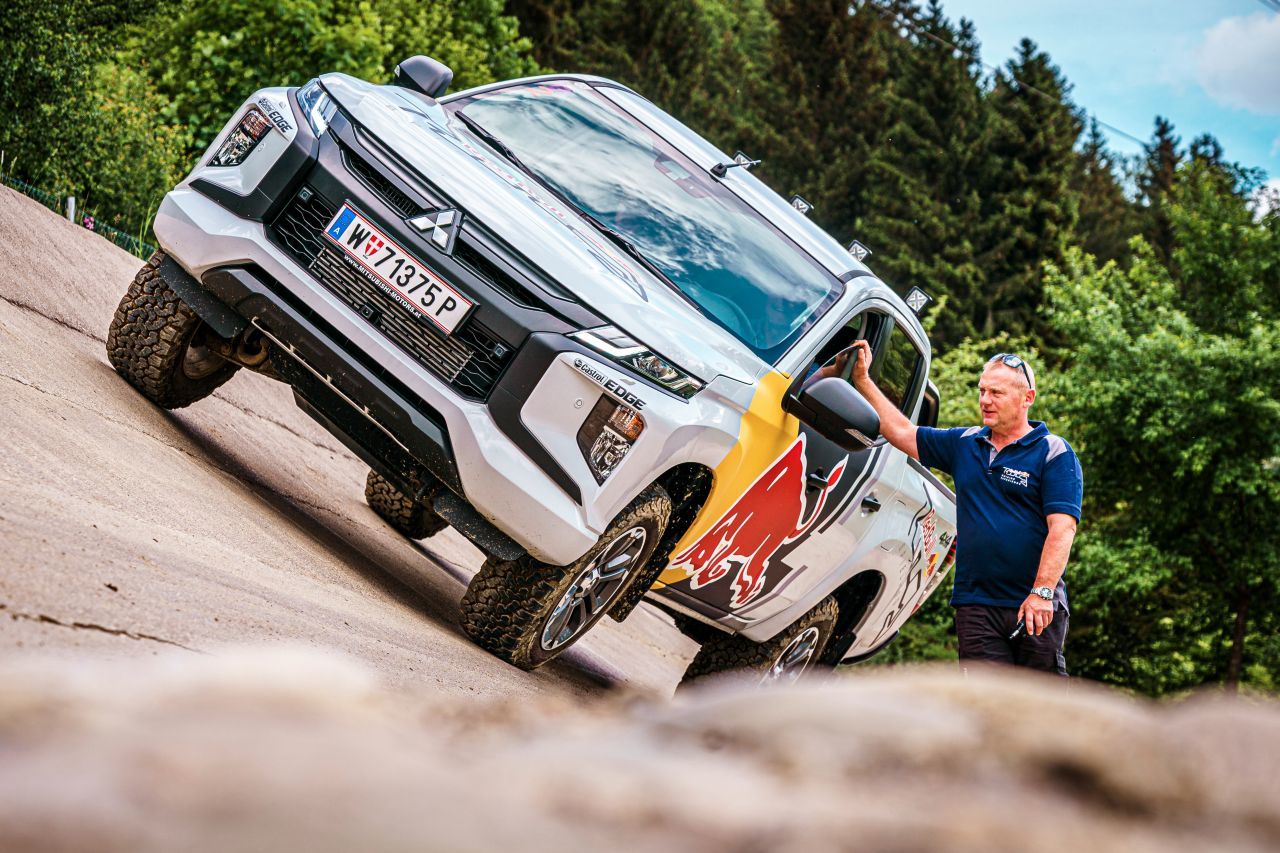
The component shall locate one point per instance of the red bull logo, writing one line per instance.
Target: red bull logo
(771, 513)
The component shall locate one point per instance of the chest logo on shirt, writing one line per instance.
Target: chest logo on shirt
(1015, 477)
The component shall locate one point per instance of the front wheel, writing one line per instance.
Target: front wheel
(781, 660)
(161, 346)
(410, 517)
(527, 612)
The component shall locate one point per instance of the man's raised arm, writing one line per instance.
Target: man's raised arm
(894, 426)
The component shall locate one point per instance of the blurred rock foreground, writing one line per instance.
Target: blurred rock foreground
(292, 749)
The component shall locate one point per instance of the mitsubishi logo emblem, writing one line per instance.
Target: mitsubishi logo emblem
(441, 226)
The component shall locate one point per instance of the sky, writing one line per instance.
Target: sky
(1207, 65)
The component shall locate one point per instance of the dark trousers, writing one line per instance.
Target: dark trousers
(984, 632)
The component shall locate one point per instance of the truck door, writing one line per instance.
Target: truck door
(913, 538)
(773, 542)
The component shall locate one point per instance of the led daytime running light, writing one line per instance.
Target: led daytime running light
(317, 107)
(625, 350)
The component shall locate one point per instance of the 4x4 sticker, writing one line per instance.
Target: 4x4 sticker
(769, 514)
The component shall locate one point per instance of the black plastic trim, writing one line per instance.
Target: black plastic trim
(468, 521)
(277, 184)
(849, 276)
(514, 388)
(225, 322)
(865, 655)
(419, 428)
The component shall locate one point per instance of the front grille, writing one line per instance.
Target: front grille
(489, 271)
(470, 360)
(387, 191)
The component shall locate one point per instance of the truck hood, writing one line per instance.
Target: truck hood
(551, 235)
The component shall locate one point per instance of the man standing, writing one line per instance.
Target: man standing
(1018, 489)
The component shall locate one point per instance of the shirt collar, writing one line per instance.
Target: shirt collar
(1038, 431)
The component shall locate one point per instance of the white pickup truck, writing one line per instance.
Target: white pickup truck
(553, 317)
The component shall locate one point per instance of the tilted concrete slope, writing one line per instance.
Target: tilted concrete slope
(125, 528)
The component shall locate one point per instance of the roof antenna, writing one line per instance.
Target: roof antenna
(739, 159)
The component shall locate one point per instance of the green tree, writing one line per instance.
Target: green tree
(207, 56)
(1155, 181)
(473, 37)
(1178, 424)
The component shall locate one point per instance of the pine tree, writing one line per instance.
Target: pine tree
(1155, 182)
(1029, 209)
(1107, 218)
(923, 207)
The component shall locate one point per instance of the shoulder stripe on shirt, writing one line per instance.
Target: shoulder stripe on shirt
(1057, 447)
(970, 431)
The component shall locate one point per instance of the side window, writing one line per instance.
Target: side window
(824, 359)
(898, 362)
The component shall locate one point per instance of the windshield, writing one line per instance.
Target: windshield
(723, 255)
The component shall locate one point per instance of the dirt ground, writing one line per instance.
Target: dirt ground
(209, 643)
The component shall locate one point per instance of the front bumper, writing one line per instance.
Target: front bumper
(454, 438)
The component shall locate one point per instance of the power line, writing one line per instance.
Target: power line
(911, 25)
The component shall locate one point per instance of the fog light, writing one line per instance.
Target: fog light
(240, 143)
(606, 436)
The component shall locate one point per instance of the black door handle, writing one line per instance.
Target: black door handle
(870, 504)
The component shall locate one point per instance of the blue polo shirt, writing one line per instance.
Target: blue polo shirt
(1002, 501)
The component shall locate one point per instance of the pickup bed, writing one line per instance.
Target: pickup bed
(551, 316)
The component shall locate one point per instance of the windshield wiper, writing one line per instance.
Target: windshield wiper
(615, 237)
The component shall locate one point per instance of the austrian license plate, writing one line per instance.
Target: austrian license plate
(399, 274)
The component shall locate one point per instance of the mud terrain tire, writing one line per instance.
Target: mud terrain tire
(808, 636)
(409, 517)
(510, 606)
(150, 338)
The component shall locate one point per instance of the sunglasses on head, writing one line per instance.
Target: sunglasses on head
(1008, 359)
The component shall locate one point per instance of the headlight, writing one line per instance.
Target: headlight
(617, 346)
(317, 106)
(240, 142)
(607, 434)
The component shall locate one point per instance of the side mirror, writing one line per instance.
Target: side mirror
(837, 411)
(931, 405)
(423, 74)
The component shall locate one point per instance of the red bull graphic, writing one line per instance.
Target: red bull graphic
(769, 514)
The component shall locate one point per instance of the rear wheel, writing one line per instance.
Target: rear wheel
(527, 612)
(412, 518)
(161, 346)
(781, 660)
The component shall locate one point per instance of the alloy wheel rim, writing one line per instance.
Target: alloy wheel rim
(594, 588)
(795, 658)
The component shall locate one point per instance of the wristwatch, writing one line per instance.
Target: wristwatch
(1045, 592)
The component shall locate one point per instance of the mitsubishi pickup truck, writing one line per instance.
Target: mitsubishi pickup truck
(551, 316)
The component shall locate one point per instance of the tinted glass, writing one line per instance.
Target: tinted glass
(897, 368)
(734, 265)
